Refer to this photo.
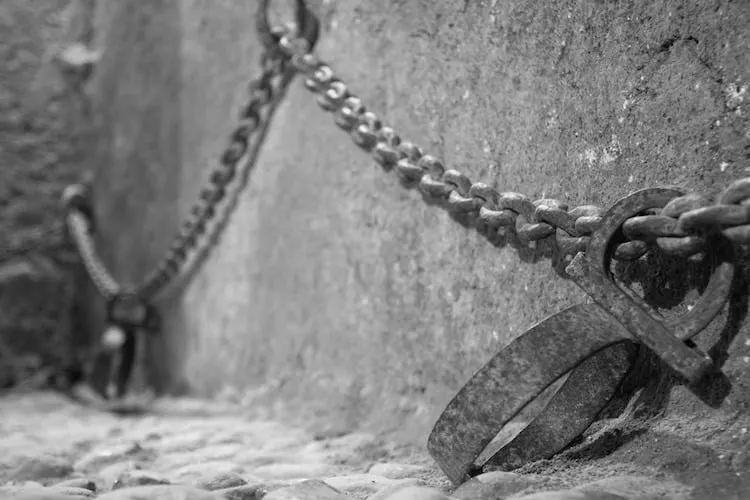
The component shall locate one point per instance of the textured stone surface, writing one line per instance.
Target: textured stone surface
(570, 495)
(182, 451)
(500, 485)
(417, 493)
(39, 153)
(307, 490)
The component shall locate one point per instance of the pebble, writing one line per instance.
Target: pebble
(159, 492)
(307, 490)
(244, 492)
(81, 482)
(417, 493)
(198, 472)
(359, 485)
(35, 494)
(132, 478)
(74, 492)
(221, 481)
(570, 495)
(397, 485)
(497, 484)
(399, 471)
(637, 487)
(295, 471)
(110, 455)
(42, 467)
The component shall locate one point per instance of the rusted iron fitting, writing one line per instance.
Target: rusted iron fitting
(592, 344)
(305, 28)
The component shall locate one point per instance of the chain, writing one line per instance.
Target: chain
(80, 230)
(681, 228)
(265, 93)
(206, 218)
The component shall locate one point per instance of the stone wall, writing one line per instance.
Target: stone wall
(335, 288)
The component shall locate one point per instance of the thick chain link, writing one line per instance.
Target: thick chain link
(680, 228)
(224, 184)
(80, 230)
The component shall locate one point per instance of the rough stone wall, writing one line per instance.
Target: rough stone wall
(40, 152)
(335, 287)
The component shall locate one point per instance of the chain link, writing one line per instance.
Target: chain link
(226, 177)
(81, 234)
(680, 228)
(225, 182)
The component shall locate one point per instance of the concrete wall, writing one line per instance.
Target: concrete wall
(333, 286)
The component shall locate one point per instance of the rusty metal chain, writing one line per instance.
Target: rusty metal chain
(224, 182)
(680, 228)
(228, 176)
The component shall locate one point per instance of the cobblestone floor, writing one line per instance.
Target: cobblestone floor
(183, 449)
(52, 448)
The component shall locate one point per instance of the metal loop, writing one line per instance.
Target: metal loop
(409, 171)
(308, 26)
(320, 79)
(587, 219)
(714, 218)
(736, 193)
(462, 204)
(431, 165)
(630, 250)
(76, 197)
(682, 247)
(527, 227)
(583, 340)
(650, 227)
(517, 202)
(306, 63)
(410, 151)
(678, 206)
(486, 194)
(365, 135)
(431, 183)
(386, 155)
(556, 214)
(386, 152)
(592, 273)
(495, 219)
(434, 187)
(350, 113)
(570, 245)
(534, 231)
(460, 182)
(127, 308)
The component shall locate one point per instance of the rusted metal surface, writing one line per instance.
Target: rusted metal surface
(588, 342)
(583, 339)
(307, 25)
(682, 228)
(130, 317)
(591, 272)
